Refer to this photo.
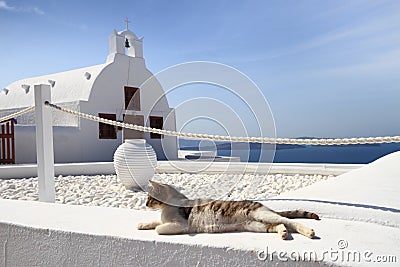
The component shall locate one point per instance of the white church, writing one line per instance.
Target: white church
(112, 90)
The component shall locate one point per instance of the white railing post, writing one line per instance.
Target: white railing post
(44, 144)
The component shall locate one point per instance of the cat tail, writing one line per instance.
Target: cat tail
(292, 214)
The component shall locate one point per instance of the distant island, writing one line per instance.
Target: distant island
(194, 144)
(188, 144)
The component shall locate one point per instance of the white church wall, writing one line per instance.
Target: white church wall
(71, 144)
(25, 144)
(93, 90)
(153, 102)
(104, 98)
(67, 144)
(82, 143)
(108, 97)
(93, 149)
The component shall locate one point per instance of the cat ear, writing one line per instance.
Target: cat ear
(156, 186)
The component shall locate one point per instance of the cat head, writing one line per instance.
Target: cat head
(160, 195)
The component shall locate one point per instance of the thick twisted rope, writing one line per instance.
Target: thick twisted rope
(16, 114)
(265, 140)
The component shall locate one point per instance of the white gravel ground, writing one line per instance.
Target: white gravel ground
(108, 191)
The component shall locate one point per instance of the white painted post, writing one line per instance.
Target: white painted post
(44, 144)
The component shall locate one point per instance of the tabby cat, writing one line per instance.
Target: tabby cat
(217, 216)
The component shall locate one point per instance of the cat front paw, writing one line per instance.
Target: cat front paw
(144, 226)
(310, 233)
(284, 234)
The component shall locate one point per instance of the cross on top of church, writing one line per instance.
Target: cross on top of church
(127, 21)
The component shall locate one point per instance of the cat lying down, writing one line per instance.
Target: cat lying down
(180, 215)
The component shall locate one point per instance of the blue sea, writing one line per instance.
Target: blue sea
(351, 154)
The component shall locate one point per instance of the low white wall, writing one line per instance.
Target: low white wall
(187, 166)
(26, 246)
(30, 170)
(42, 234)
(95, 168)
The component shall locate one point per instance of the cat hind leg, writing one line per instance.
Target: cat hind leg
(267, 216)
(301, 229)
(259, 227)
(255, 226)
(172, 229)
(281, 230)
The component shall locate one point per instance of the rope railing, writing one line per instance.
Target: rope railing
(16, 114)
(45, 149)
(263, 140)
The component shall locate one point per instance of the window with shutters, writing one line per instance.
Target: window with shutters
(107, 131)
(132, 98)
(156, 122)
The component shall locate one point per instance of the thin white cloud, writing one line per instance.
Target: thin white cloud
(33, 10)
(317, 41)
(4, 5)
(385, 64)
(348, 6)
(312, 43)
(369, 36)
(381, 28)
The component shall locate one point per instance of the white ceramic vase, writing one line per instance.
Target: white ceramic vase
(135, 162)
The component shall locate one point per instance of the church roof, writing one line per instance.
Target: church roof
(68, 86)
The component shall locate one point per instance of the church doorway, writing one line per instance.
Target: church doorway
(137, 120)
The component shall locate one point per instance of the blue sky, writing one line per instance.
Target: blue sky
(327, 68)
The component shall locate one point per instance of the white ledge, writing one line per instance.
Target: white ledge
(95, 168)
(360, 214)
(35, 233)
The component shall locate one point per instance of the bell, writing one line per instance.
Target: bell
(127, 43)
